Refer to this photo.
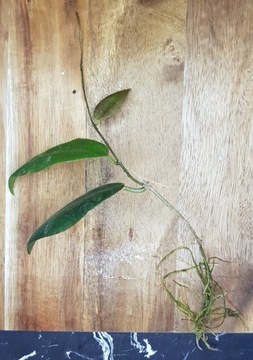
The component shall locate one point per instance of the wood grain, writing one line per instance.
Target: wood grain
(100, 275)
(145, 47)
(3, 112)
(186, 127)
(44, 112)
(216, 165)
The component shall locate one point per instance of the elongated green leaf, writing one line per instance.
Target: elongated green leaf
(77, 149)
(73, 212)
(110, 105)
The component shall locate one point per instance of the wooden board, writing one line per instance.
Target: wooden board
(186, 128)
(3, 113)
(100, 274)
(216, 191)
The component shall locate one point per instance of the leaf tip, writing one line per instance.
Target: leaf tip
(30, 245)
(31, 242)
(11, 183)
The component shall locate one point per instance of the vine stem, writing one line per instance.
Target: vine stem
(84, 92)
(179, 215)
(115, 160)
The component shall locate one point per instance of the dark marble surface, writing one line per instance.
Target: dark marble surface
(21, 345)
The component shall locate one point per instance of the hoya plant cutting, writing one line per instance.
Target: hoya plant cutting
(211, 310)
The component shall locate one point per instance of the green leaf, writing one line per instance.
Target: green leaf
(70, 151)
(110, 105)
(73, 212)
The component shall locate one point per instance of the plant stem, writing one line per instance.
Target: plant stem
(84, 92)
(171, 207)
(135, 190)
(116, 160)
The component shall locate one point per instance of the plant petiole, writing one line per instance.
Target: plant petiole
(135, 190)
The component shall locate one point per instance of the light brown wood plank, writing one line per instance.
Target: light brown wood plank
(216, 166)
(3, 114)
(141, 47)
(43, 289)
(100, 275)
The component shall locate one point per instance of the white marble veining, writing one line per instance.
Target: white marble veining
(106, 342)
(150, 352)
(145, 349)
(217, 336)
(68, 354)
(25, 357)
